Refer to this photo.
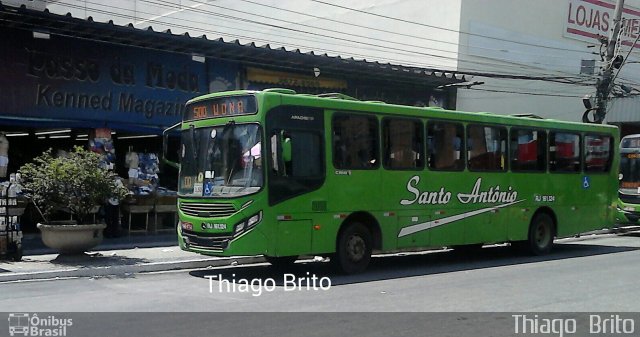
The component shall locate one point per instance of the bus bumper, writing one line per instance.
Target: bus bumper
(628, 214)
(253, 242)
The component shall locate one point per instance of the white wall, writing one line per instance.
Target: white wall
(542, 23)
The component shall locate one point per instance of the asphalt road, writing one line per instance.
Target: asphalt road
(589, 274)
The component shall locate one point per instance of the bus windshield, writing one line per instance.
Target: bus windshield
(630, 162)
(630, 169)
(223, 160)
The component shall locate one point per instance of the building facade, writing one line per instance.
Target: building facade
(532, 57)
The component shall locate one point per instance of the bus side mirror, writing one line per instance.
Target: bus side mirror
(280, 152)
(165, 145)
(286, 149)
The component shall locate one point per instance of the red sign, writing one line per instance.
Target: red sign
(587, 20)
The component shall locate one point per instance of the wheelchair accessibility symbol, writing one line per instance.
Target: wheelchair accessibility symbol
(208, 188)
(586, 182)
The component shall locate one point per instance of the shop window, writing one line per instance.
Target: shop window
(597, 153)
(355, 142)
(445, 143)
(487, 148)
(402, 144)
(564, 152)
(528, 150)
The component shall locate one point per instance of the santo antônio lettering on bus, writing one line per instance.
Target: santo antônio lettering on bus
(222, 107)
(442, 196)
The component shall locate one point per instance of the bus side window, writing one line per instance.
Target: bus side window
(564, 152)
(402, 143)
(528, 150)
(445, 146)
(597, 153)
(355, 142)
(487, 148)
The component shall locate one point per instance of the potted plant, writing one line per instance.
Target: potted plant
(77, 184)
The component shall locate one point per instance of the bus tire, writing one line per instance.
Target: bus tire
(541, 233)
(353, 249)
(281, 261)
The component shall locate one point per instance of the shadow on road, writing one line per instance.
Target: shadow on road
(406, 265)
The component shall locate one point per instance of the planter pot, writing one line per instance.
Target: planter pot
(71, 238)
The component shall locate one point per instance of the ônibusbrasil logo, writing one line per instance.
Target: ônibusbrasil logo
(24, 324)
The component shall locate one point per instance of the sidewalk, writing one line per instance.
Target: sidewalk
(119, 256)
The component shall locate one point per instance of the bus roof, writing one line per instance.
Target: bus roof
(346, 102)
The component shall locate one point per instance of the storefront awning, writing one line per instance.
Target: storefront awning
(31, 122)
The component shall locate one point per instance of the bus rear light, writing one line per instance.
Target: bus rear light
(316, 227)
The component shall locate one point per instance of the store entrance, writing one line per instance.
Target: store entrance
(134, 157)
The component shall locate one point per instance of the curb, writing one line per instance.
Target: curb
(130, 269)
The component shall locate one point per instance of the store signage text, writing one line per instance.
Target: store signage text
(587, 20)
(155, 76)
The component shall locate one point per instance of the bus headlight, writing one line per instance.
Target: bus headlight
(247, 224)
(254, 220)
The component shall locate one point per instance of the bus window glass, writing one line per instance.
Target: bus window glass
(528, 150)
(221, 161)
(355, 142)
(445, 143)
(402, 139)
(597, 153)
(564, 152)
(630, 164)
(487, 148)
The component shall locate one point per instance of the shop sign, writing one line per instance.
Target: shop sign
(66, 78)
(587, 20)
(284, 79)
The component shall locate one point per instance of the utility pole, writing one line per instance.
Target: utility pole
(604, 84)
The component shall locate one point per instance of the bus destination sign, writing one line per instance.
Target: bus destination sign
(222, 107)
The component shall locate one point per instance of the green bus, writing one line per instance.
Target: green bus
(282, 174)
(629, 192)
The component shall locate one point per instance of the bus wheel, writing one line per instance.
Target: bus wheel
(281, 261)
(541, 234)
(353, 251)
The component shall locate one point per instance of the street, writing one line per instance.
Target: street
(587, 274)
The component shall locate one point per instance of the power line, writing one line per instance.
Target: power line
(563, 79)
(445, 29)
(331, 37)
(418, 53)
(382, 30)
(525, 93)
(507, 76)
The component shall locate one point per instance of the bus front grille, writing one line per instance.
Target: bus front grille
(206, 240)
(205, 210)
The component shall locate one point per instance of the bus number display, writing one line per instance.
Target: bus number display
(222, 107)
